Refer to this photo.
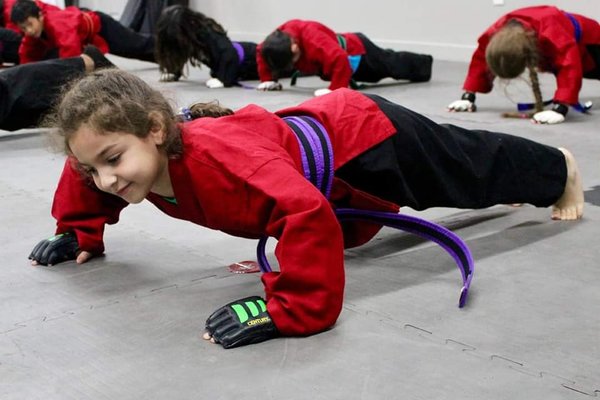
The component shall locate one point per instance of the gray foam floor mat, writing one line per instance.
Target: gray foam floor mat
(128, 325)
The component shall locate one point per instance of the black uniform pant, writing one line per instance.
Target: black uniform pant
(248, 70)
(378, 63)
(28, 91)
(594, 51)
(430, 165)
(123, 41)
(9, 46)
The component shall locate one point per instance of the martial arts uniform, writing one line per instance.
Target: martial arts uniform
(67, 31)
(10, 35)
(569, 47)
(228, 61)
(6, 8)
(242, 174)
(325, 53)
(28, 91)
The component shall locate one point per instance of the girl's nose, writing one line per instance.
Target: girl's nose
(106, 181)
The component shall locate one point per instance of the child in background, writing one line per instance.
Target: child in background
(9, 46)
(10, 35)
(541, 37)
(29, 91)
(313, 49)
(55, 33)
(185, 35)
(243, 173)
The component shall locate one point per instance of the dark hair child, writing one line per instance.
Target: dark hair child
(184, 35)
(52, 33)
(313, 49)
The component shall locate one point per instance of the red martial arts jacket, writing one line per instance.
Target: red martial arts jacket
(68, 31)
(242, 174)
(560, 53)
(321, 53)
(8, 24)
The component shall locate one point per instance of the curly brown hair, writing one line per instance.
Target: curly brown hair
(112, 100)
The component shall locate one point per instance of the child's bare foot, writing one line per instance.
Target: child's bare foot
(570, 204)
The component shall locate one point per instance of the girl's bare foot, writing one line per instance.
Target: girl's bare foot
(570, 205)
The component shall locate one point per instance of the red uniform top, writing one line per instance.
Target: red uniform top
(560, 53)
(321, 53)
(8, 24)
(67, 30)
(247, 181)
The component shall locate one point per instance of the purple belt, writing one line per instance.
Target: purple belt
(240, 51)
(576, 26)
(317, 162)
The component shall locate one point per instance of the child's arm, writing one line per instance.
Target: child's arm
(264, 72)
(31, 50)
(66, 31)
(565, 57)
(321, 46)
(479, 77)
(305, 296)
(225, 58)
(81, 210)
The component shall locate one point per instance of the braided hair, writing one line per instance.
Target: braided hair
(510, 51)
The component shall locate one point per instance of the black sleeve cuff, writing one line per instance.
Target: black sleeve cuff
(468, 96)
(560, 108)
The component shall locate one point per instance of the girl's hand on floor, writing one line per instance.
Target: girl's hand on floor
(321, 92)
(214, 83)
(269, 85)
(462, 105)
(548, 117)
(56, 249)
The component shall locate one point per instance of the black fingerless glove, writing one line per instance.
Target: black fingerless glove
(58, 248)
(242, 322)
(560, 108)
(470, 96)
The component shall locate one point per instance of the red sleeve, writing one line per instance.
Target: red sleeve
(264, 72)
(63, 25)
(81, 208)
(31, 50)
(563, 53)
(306, 295)
(479, 78)
(321, 47)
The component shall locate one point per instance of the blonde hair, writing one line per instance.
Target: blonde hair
(512, 49)
(112, 100)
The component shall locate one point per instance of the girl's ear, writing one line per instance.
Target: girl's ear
(158, 128)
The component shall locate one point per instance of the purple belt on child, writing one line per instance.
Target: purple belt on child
(317, 162)
(240, 51)
(576, 26)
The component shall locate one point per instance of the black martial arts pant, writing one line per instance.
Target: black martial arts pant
(378, 63)
(123, 41)
(28, 91)
(430, 165)
(9, 46)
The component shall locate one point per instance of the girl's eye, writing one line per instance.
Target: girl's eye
(114, 159)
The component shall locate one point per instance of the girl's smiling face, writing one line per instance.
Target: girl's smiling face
(123, 164)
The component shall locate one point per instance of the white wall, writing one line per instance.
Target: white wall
(447, 29)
